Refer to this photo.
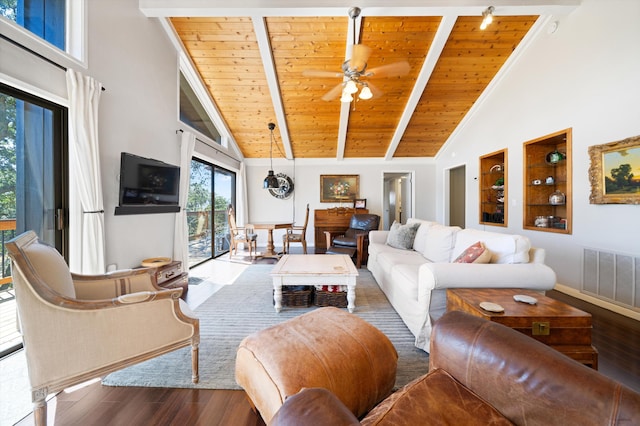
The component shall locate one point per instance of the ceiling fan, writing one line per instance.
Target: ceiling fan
(355, 73)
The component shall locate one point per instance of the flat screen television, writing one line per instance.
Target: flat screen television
(147, 185)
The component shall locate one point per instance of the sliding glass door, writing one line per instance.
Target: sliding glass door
(32, 180)
(212, 189)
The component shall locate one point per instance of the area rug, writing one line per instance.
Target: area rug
(245, 307)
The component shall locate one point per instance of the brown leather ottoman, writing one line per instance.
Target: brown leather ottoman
(326, 348)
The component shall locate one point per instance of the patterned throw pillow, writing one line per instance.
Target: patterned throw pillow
(401, 236)
(477, 253)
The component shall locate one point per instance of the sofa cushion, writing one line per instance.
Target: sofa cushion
(420, 239)
(401, 236)
(393, 257)
(476, 253)
(440, 242)
(505, 248)
(434, 399)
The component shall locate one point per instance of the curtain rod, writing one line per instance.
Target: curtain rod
(211, 146)
(33, 52)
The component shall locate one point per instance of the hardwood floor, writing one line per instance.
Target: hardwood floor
(616, 337)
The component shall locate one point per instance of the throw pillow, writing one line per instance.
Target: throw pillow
(477, 253)
(401, 236)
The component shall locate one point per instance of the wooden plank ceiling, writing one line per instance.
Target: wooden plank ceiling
(413, 116)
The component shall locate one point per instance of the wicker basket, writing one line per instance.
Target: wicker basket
(330, 298)
(297, 295)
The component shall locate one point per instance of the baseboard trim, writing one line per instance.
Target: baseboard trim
(598, 302)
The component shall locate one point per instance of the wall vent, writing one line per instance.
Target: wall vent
(613, 277)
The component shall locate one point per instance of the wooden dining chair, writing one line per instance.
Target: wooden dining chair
(241, 235)
(291, 236)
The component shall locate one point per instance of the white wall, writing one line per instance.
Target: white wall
(306, 174)
(134, 59)
(585, 76)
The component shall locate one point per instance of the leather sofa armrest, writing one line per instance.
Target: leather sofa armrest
(313, 407)
(526, 380)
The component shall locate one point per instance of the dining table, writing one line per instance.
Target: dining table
(270, 226)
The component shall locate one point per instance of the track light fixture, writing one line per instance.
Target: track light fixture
(271, 181)
(487, 17)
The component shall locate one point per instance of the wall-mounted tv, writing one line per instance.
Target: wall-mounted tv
(147, 186)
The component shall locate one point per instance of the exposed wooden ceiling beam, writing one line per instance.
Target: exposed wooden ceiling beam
(439, 41)
(262, 37)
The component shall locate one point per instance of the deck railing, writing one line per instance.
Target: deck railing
(7, 232)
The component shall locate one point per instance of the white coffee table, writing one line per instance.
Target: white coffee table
(314, 269)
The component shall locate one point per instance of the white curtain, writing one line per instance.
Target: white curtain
(181, 230)
(87, 220)
(242, 210)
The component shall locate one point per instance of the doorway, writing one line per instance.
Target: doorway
(457, 194)
(33, 187)
(397, 204)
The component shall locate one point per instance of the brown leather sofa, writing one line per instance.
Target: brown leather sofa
(483, 373)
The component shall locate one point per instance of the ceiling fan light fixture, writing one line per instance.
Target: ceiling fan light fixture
(346, 97)
(350, 87)
(365, 93)
(487, 17)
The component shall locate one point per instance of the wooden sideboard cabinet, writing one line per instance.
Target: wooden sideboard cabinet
(171, 276)
(333, 220)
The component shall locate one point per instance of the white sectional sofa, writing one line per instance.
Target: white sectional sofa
(415, 279)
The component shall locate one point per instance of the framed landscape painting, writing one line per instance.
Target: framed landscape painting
(615, 172)
(339, 188)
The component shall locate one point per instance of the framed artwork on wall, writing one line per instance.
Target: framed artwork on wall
(615, 172)
(339, 188)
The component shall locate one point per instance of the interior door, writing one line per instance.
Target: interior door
(397, 198)
(457, 194)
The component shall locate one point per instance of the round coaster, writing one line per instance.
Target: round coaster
(491, 307)
(525, 299)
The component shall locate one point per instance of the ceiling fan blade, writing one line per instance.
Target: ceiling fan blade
(333, 93)
(396, 69)
(374, 90)
(318, 73)
(359, 56)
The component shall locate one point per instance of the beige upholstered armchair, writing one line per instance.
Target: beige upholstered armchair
(76, 328)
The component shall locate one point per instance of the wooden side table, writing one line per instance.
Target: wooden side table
(561, 326)
(171, 276)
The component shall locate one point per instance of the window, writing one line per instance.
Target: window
(193, 114)
(58, 24)
(44, 18)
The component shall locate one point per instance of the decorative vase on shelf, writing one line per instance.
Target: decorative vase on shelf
(556, 198)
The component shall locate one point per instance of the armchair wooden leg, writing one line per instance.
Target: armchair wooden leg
(195, 374)
(40, 411)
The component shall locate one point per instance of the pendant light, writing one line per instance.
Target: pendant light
(271, 181)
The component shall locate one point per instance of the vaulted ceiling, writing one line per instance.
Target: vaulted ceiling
(252, 58)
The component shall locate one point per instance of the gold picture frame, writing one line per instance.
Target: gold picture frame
(615, 172)
(339, 188)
